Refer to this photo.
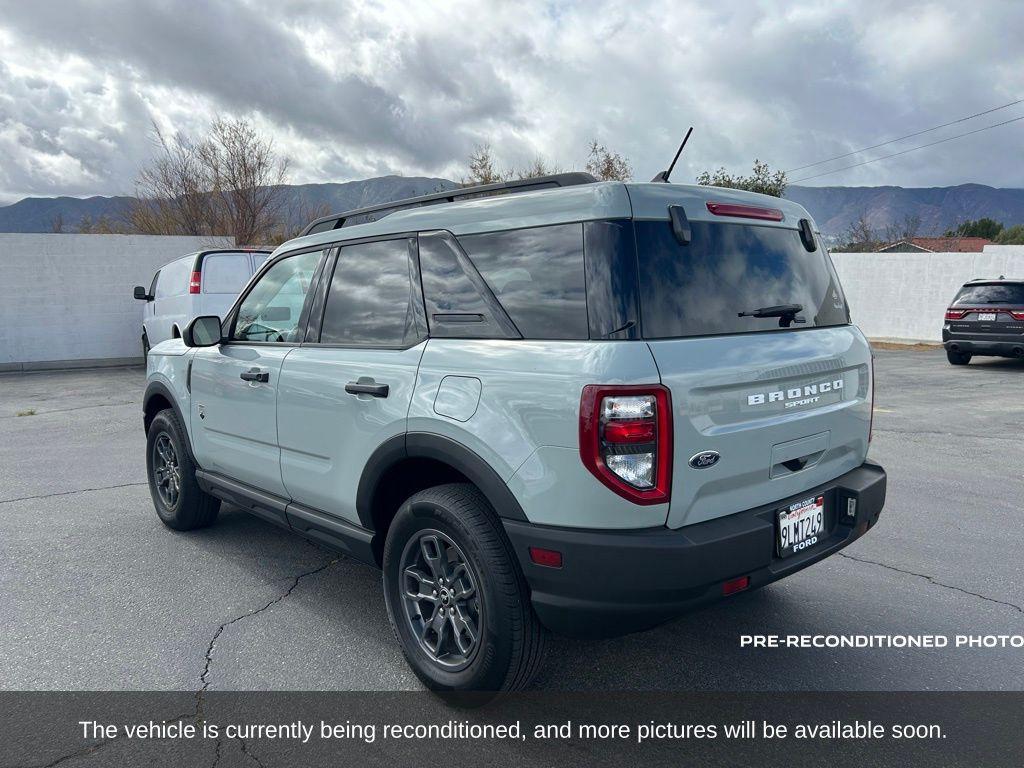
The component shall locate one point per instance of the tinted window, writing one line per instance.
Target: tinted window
(272, 308)
(457, 300)
(152, 287)
(174, 277)
(1005, 293)
(537, 275)
(371, 299)
(225, 272)
(699, 289)
(611, 280)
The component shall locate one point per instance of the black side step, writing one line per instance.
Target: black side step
(321, 527)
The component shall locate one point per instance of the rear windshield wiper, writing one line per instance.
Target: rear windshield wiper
(787, 313)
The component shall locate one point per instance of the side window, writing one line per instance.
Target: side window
(372, 300)
(152, 287)
(457, 301)
(174, 278)
(225, 272)
(273, 306)
(538, 276)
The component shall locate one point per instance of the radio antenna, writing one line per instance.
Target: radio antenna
(663, 176)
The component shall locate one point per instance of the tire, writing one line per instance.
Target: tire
(180, 503)
(510, 644)
(958, 358)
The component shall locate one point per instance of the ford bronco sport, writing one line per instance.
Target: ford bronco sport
(548, 405)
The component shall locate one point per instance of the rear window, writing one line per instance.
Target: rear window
(225, 272)
(1002, 293)
(700, 289)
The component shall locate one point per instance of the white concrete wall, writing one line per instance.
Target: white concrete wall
(67, 299)
(903, 296)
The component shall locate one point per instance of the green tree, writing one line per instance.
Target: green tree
(607, 165)
(1011, 235)
(762, 180)
(602, 163)
(984, 227)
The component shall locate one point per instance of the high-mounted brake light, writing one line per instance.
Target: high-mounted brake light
(195, 282)
(745, 211)
(956, 314)
(626, 439)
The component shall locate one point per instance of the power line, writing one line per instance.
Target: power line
(905, 151)
(908, 136)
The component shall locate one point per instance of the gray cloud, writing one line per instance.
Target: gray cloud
(350, 90)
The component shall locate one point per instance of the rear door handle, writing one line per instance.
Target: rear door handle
(255, 374)
(359, 388)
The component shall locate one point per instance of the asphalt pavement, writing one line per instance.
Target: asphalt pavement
(96, 594)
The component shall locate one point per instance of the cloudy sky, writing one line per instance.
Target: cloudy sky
(356, 89)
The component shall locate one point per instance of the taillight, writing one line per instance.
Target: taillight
(626, 439)
(956, 314)
(745, 211)
(195, 282)
(1017, 314)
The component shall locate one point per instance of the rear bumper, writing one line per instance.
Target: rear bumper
(1001, 345)
(615, 582)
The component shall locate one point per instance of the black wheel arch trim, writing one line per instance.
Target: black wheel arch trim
(155, 388)
(427, 445)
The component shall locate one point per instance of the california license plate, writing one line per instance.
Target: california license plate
(987, 317)
(801, 525)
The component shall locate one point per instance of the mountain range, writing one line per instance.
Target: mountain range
(833, 208)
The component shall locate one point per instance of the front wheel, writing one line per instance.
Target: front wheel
(958, 358)
(456, 598)
(180, 502)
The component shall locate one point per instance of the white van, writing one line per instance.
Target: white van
(202, 283)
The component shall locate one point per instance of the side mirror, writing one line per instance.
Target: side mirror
(203, 332)
(141, 294)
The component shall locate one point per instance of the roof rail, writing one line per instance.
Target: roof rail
(338, 220)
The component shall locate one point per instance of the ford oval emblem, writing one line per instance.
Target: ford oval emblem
(705, 459)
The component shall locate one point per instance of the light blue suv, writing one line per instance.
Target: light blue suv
(547, 405)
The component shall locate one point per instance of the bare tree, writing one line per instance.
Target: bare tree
(860, 237)
(296, 215)
(229, 182)
(607, 165)
(904, 230)
(57, 224)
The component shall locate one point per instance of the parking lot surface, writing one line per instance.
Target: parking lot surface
(96, 594)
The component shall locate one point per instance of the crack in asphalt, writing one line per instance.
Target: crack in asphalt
(933, 580)
(75, 408)
(205, 674)
(70, 493)
(942, 433)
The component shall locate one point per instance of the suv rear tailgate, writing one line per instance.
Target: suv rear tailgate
(768, 404)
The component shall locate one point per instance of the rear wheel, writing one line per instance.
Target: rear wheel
(958, 358)
(456, 598)
(180, 502)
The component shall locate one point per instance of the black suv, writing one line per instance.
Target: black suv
(985, 318)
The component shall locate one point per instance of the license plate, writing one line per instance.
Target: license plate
(987, 317)
(801, 525)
